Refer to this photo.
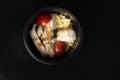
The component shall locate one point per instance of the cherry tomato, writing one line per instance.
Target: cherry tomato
(43, 19)
(59, 48)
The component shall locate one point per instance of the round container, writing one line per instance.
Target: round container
(31, 48)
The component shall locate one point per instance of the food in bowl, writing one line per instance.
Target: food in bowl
(53, 34)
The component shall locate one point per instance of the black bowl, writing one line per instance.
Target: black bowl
(32, 50)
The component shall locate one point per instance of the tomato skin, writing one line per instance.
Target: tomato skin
(59, 48)
(43, 19)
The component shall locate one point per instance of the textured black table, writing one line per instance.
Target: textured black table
(98, 58)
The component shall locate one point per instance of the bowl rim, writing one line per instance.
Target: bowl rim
(25, 29)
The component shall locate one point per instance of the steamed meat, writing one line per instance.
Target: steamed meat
(67, 35)
(51, 24)
(45, 49)
(37, 41)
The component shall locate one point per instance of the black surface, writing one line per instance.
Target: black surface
(98, 58)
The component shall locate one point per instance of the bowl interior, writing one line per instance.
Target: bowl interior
(33, 50)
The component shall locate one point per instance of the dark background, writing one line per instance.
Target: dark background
(98, 58)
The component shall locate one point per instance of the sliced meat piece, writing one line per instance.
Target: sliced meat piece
(50, 50)
(67, 35)
(37, 41)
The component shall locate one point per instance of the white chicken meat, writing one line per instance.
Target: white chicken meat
(67, 35)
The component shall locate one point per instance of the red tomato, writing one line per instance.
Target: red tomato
(59, 48)
(43, 19)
